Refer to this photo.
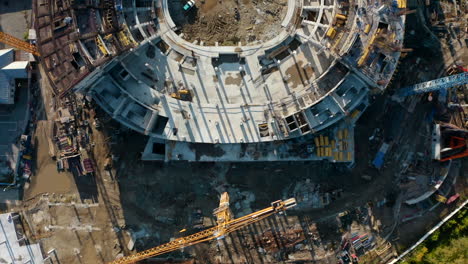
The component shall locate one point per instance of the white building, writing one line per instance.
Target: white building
(10, 70)
(13, 245)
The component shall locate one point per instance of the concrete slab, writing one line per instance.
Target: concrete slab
(14, 246)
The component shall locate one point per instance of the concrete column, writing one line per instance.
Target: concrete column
(311, 40)
(317, 7)
(151, 122)
(142, 9)
(313, 23)
(123, 103)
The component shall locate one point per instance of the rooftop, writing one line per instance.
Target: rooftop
(9, 71)
(13, 244)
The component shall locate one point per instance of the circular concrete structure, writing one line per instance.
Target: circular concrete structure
(314, 73)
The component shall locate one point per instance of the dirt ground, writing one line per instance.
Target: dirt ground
(60, 217)
(229, 21)
(47, 179)
(78, 232)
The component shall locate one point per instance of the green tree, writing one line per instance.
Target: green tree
(448, 245)
(454, 253)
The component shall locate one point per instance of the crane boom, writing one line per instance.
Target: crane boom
(434, 85)
(225, 225)
(18, 43)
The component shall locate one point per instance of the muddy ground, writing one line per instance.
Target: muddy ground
(229, 22)
(78, 216)
(47, 179)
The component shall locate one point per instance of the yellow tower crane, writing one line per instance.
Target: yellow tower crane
(18, 43)
(225, 225)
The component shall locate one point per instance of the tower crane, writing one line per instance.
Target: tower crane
(18, 43)
(225, 225)
(434, 85)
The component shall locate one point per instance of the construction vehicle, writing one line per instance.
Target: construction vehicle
(182, 94)
(363, 57)
(225, 225)
(18, 43)
(401, 4)
(367, 28)
(453, 198)
(331, 33)
(441, 198)
(340, 19)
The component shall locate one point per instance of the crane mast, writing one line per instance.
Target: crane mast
(225, 225)
(18, 43)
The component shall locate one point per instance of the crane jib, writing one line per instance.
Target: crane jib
(218, 232)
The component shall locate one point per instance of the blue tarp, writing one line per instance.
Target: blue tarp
(379, 160)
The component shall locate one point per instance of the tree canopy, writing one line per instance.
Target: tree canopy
(447, 245)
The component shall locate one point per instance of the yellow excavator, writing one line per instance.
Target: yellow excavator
(18, 43)
(182, 94)
(225, 225)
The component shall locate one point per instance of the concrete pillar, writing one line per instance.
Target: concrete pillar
(311, 40)
(123, 103)
(313, 23)
(151, 122)
(147, 65)
(317, 7)
(275, 128)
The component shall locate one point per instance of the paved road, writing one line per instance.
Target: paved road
(15, 17)
(12, 122)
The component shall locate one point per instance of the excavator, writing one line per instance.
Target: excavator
(225, 225)
(18, 43)
(182, 94)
